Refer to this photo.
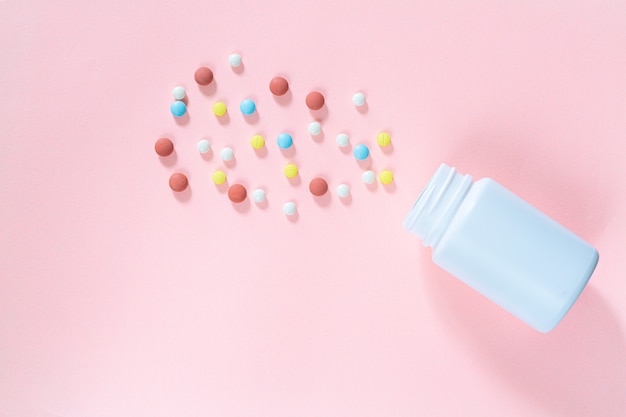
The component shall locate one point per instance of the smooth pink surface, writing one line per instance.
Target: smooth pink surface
(119, 298)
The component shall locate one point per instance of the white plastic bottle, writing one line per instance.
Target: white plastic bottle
(502, 247)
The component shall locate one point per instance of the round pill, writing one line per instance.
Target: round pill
(257, 141)
(318, 186)
(358, 99)
(258, 195)
(361, 152)
(289, 208)
(315, 100)
(204, 146)
(219, 109)
(203, 76)
(178, 182)
(315, 128)
(386, 176)
(368, 177)
(343, 139)
(247, 107)
(234, 60)
(164, 147)
(343, 190)
(284, 140)
(383, 139)
(227, 154)
(237, 193)
(178, 108)
(178, 93)
(219, 177)
(279, 86)
(291, 171)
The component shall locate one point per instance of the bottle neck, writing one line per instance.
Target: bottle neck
(437, 204)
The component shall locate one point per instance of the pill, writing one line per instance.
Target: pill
(203, 76)
(247, 107)
(318, 186)
(315, 100)
(315, 128)
(163, 147)
(219, 109)
(383, 139)
(361, 152)
(204, 146)
(284, 140)
(289, 208)
(279, 86)
(358, 99)
(258, 195)
(178, 93)
(234, 60)
(227, 154)
(237, 193)
(386, 176)
(178, 108)
(178, 182)
(257, 141)
(291, 171)
(219, 177)
(343, 190)
(343, 140)
(368, 177)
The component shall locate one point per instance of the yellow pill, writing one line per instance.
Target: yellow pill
(386, 176)
(384, 139)
(219, 177)
(291, 171)
(257, 141)
(219, 108)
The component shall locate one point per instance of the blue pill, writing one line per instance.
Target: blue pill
(284, 140)
(361, 152)
(178, 108)
(247, 107)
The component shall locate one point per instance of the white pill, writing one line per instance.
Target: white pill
(178, 93)
(343, 139)
(315, 128)
(204, 146)
(358, 99)
(234, 60)
(227, 154)
(343, 190)
(289, 208)
(258, 195)
(369, 177)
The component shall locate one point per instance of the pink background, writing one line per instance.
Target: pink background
(119, 298)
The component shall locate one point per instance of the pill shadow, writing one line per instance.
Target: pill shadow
(208, 90)
(372, 187)
(170, 160)
(207, 156)
(261, 153)
(347, 200)
(319, 138)
(263, 205)
(387, 150)
(294, 217)
(253, 118)
(183, 196)
(232, 163)
(323, 200)
(289, 152)
(364, 164)
(285, 99)
(320, 114)
(222, 188)
(182, 120)
(242, 207)
(239, 69)
(223, 119)
(391, 187)
(363, 109)
(347, 150)
(295, 181)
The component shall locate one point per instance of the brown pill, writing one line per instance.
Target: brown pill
(237, 193)
(164, 147)
(203, 76)
(315, 100)
(178, 182)
(318, 187)
(279, 86)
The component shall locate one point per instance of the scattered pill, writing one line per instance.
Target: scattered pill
(386, 177)
(258, 195)
(164, 147)
(178, 108)
(343, 190)
(219, 177)
(219, 109)
(315, 128)
(178, 182)
(291, 171)
(289, 208)
(227, 154)
(204, 146)
(315, 100)
(279, 86)
(237, 193)
(343, 140)
(247, 107)
(284, 141)
(318, 186)
(383, 139)
(234, 60)
(361, 152)
(203, 76)
(257, 141)
(178, 93)
(358, 99)
(368, 177)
